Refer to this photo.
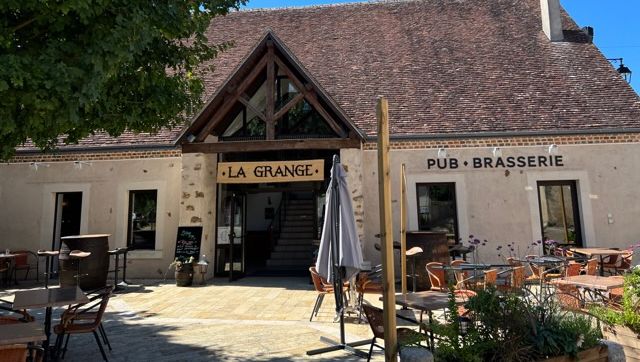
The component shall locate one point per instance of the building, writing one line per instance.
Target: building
(512, 125)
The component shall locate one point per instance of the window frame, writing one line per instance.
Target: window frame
(130, 207)
(452, 185)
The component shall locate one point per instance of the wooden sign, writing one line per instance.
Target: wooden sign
(188, 242)
(270, 171)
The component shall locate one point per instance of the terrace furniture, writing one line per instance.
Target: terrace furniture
(516, 281)
(5, 267)
(367, 283)
(599, 252)
(48, 298)
(84, 318)
(413, 254)
(436, 274)
(322, 288)
(618, 264)
(48, 255)
(594, 285)
(590, 268)
(460, 275)
(116, 253)
(376, 322)
(21, 262)
(17, 341)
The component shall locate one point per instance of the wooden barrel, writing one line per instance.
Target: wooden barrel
(184, 275)
(93, 269)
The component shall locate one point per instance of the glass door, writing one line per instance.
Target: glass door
(559, 212)
(230, 234)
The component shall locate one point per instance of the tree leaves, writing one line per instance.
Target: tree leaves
(72, 68)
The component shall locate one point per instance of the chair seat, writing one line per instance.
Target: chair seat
(408, 335)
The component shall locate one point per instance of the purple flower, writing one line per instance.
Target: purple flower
(476, 241)
(534, 244)
(499, 247)
(470, 236)
(539, 241)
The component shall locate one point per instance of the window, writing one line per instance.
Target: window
(437, 208)
(559, 214)
(141, 233)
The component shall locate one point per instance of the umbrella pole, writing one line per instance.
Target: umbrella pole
(337, 277)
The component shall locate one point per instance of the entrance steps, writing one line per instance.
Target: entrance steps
(294, 248)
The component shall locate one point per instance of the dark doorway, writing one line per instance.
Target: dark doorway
(67, 218)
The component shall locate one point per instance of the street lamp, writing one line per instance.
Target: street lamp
(623, 70)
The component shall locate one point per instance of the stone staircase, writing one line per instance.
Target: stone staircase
(294, 249)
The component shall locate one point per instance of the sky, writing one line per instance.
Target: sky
(616, 25)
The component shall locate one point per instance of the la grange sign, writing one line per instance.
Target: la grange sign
(262, 172)
(511, 162)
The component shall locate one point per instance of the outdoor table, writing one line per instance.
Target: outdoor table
(600, 252)
(425, 302)
(593, 283)
(48, 298)
(18, 333)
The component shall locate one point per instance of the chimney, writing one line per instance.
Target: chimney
(551, 19)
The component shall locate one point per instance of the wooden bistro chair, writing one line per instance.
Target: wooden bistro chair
(436, 276)
(376, 322)
(461, 276)
(572, 269)
(591, 268)
(84, 318)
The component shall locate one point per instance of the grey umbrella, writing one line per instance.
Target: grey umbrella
(339, 255)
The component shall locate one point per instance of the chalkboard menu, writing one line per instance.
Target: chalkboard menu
(188, 242)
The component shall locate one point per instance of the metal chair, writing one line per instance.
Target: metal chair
(436, 276)
(322, 288)
(21, 262)
(376, 322)
(84, 318)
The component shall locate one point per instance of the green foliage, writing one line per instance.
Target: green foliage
(510, 327)
(628, 313)
(70, 68)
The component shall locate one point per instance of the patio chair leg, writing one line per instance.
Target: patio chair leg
(373, 341)
(58, 345)
(105, 339)
(104, 355)
(66, 343)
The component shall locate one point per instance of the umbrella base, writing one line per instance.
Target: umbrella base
(336, 346)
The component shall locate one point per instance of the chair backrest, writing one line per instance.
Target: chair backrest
(436, 275)
(317, 281)
(559, 251)
(21, 257)
(572, 269)
(535, 271)
(460, 275)
(592, 266)
(490, 277)
(375, 319)
(517, 277)
(626, 260)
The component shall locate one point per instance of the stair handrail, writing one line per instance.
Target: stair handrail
(275, 226)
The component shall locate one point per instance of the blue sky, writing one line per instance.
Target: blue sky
(615, 23)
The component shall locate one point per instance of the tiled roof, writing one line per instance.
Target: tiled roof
(446, 66)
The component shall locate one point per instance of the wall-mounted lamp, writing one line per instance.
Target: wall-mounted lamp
(442, 153)
(623, 70)
(36, 165)
(191, 137)
(497, 152)
(553, 149)
(78, 164)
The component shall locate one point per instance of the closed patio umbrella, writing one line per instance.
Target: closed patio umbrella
(339, 255)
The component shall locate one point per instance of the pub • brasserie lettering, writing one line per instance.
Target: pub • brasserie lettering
(453, 163)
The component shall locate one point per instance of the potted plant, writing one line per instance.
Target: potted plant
(508, 327)
(183, 271)
(622, 318)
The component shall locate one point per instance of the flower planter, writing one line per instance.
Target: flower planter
(595, 354)
(629, 340)
(184, 275)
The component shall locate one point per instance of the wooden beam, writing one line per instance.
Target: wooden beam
(244, 99)
(271, 145)
(311, 98)
(403, 231)
(288, 106)
(271, 94)
(227, 105)
(386, 233)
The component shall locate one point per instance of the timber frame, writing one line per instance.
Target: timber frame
(268, 54)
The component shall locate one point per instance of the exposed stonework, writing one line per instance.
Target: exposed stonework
(352, 162)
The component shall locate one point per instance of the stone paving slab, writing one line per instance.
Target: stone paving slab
(253, 319)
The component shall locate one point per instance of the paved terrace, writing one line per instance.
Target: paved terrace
(253, 319)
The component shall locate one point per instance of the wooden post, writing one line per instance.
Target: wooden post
(403, 230)
(386, 233)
